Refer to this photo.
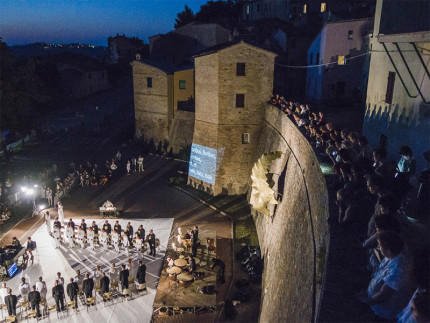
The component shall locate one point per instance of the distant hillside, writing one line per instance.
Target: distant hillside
(44, 49)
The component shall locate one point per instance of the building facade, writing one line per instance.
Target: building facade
(124, 49)
(164, 103)
(232, 85)
(398, 91)
(335, 60)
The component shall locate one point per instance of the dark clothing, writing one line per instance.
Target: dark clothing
(194, 239)
(57, 224)
(11, 301)
(151, 241)
(123, 278)
(87, 287)
(129, 232)
(72, 291)
(141, 273)
(95, 229)
(221, 265)
(34, 299)
(117, 228)
(58, 295)
(72, 224)
(84, 227)
(104, 284)
(141, 233)
(16, 243)
(107, 228)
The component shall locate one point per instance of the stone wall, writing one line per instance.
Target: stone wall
(153, 106)
(294, 238)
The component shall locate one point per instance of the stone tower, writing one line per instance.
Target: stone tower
(232, 84)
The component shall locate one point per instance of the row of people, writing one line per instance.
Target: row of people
(115, 236)
(85, 283)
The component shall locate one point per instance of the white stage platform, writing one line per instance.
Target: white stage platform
(48, 261)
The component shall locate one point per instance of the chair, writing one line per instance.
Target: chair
(107, 297)
(24, 306)
(52, 308)
(3, 307)
(72, 305)
(31, 314)
(125, 292)
(130, 281)
(98, 289)
(10, 318)
(90, 301)
(141, 288)
(114, 285)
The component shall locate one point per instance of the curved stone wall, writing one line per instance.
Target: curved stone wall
(294, 237)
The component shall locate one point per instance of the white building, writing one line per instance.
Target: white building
(398, 92)
(329, 80)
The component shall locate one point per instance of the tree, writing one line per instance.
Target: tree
(184, 17)
(214, 11)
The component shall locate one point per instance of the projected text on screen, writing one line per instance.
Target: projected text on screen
(203, 163)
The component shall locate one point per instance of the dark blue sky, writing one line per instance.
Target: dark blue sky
(87, 21)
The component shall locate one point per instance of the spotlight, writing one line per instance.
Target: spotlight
(42, 207)
(24, 189)
(29, 191)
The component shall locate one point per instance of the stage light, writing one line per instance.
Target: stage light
(24, 189)
(29, 191)
(35, 185)
(41, 207)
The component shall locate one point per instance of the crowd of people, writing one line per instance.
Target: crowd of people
(384, 203)
(84, 284)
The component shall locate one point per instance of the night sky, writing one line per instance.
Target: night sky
(89, 22)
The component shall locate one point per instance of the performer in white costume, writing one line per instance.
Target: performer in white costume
(69, 235)
(126, 244)
(56, 234)
(138, 244)
(80, 237)
(115, 241)
(90, 237)
(103, 240)
(48, 221)
(60, 213)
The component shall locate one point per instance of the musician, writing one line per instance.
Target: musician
(10, 301)
(191, 268)
(83, 226)
(141, 232)
(48, 221)
(73, 291)
(16, 243)
(57, 223)
(72, 224)
(125, 244)
(98, 274)
(69, 234)
(90, 237)
(80, 237)
(123, 277)
(129, 232)
(107, 227)
(42, 288)
(194, 240)
(88, 286)
(56, 234)
(24, 289)
(103, 239)
(151, 241)
(138, 245)
(115, 240)
(113, 273)
(104, 283)
(141, 273)
(221, 270)
(79, 278)
(34, 299)
(95, 230)
(58, 295)
(117, 227)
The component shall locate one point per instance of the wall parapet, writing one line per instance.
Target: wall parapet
(294, 236)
